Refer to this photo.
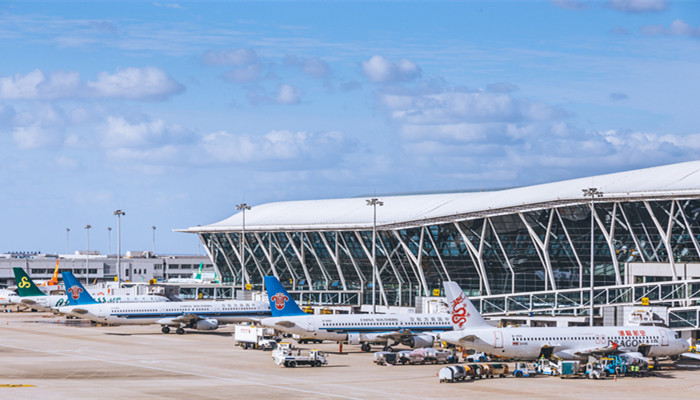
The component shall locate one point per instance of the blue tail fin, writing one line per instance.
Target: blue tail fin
(281, 303)
(77, 295)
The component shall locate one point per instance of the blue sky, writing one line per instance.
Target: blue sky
(177, 111)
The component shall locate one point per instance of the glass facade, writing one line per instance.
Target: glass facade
(522, 251)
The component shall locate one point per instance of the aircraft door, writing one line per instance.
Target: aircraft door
(664, 337)
(498, 339)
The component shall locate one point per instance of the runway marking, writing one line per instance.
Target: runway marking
(12, 385)
(240, 381)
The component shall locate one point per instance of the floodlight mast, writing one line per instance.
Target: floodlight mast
(592, 193)
(374, 203)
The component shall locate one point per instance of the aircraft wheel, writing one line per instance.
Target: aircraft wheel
(180, 331)
(366, 347)
(165, 329)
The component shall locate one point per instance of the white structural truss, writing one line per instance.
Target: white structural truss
(517, 250)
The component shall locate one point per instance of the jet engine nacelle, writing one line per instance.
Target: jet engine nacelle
(632, 357)
(206, 325)
(419, 341)
(354, 338)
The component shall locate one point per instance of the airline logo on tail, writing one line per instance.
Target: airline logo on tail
(280, 300)
(24, 283)
(75, 292)
(459, 311)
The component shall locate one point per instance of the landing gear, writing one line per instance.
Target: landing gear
(165, 329)
(180, 331)
(365, 347)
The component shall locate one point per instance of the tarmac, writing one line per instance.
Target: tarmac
(44, 356)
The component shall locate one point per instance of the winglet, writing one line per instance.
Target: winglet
(25, 285)
(281, 303)
(464, 314)
(77, 294)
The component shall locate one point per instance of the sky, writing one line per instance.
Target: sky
(177, 111)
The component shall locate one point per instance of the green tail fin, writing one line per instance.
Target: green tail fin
(25, 284)
(199, 272)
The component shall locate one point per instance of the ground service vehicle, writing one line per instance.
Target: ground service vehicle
(478, 357)
(284, 355)
(568, 369)
(384, 358)
(255, 337)
(522, 369)
(304, 340)
(491, 370)
(594, 370)
(452, 373)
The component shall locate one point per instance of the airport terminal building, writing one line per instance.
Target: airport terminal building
(517, 251)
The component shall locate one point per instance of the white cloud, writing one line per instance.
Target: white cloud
(131, 83)
(451, 106)
(33, 136)
(117, 132)
(288, 94)
(638, 6)
(379, 69)
(570, 4)
(147, 83)
(237, 57)
(314, 67)
(225, 147)
(246, 74)
(677, 28)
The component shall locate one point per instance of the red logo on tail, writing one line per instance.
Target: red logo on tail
(75, 292)
(459, 311)
(280, 300)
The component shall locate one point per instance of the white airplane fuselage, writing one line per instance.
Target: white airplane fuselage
(53, 302)
(568, 343)
(164, 313)
(357, 328)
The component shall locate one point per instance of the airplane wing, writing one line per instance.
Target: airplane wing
(598, 351)
(695, 356)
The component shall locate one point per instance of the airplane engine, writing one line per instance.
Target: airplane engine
(419, 341)
(634, 357)
(206, 324)
(353, 338)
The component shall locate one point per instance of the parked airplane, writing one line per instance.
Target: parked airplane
(199, 277)
(200, 315)
(634, 342)
(54, 279)
(29, 295)
(413, 330)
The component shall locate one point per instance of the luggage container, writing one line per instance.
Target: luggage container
(452, 373)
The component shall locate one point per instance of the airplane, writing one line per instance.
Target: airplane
(570, 343)
(413, 330)
(198, 315)
(198, 278)
(54, 279)
(29, 295)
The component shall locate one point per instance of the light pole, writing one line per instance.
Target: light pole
(593, 193)
(119, 214)
(109, 240)
(243, 207)
(154, 240)
(87, 253)
(374, 203)
(67, 240)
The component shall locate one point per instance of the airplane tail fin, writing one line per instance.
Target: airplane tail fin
(464, 314)
(25, 285)
(77, 294)
(54, 279)
(281, 303)
(199, 271)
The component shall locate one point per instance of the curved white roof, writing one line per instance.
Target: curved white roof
(676, 180)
